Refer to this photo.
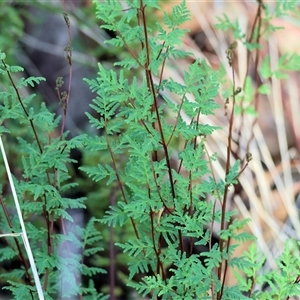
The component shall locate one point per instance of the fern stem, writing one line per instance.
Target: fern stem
(119, 180)
(256, 24)
(20, 253)
(23, 107)
(112, 283)
(152, 89)
(257, 77)
(227, 169)
(69, 60)
(177, 119)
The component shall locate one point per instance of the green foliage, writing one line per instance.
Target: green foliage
(161, 201)
(226, 24)
(283, 282)
(165, 201)
(42, 184)
(152, 130)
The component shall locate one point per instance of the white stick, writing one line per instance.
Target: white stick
(23, 234)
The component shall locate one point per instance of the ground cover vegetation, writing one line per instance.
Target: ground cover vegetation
(174, 179)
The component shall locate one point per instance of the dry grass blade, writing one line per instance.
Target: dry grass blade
(23, 234)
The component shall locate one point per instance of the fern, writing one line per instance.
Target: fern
(41, 186)
(159, 200)
(149, 123)
(152, 149)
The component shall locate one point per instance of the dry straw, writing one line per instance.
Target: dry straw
(23, 234)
